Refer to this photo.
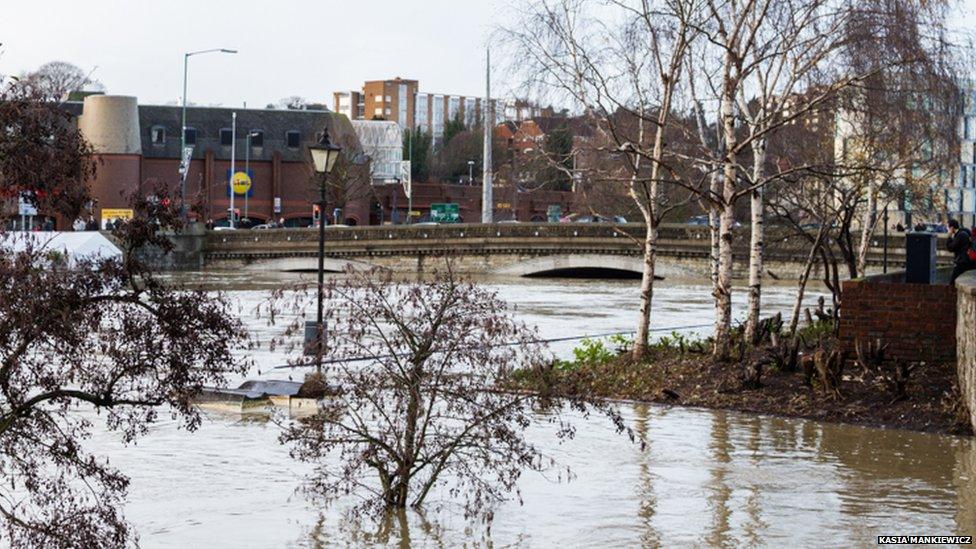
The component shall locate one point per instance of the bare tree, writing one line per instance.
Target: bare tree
(54, 80)
(292, 103)
(622, 64)
(418, 373)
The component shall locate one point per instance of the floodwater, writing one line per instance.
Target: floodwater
(704, 478)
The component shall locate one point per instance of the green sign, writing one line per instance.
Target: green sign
(554, 212)
(445, 213)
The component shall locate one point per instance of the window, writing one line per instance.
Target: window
(257, 138)
(157, 134)
(226, 137)
(190, 136)
(293, 139)
(388, 99)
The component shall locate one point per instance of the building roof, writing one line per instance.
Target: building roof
(209, 121)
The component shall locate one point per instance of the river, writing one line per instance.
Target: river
(705, 478)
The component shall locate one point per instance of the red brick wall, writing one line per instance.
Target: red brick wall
(917, 321)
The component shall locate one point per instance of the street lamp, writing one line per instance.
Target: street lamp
(324, 155)
(470, 172)
(186, 60)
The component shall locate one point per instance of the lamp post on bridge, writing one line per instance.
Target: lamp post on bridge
(324, 155)
(186, 62)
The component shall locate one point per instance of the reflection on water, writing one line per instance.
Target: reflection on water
(700, 478)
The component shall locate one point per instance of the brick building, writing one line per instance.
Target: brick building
(136, 143)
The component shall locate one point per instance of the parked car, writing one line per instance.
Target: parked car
(578, 218)
(702, 220)
(225, 228)
(261, 227)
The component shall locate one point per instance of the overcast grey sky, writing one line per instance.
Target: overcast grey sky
(287, 47)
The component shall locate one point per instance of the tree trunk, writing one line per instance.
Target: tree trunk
(756, 246)
(647, 291)
(715, 187)
(723, 288)
(804, 278)
(867, 229)
(650, 211)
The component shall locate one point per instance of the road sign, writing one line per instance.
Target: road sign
(503, 206)
(448, 212)
(277, 204)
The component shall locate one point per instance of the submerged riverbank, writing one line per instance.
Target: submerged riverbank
(680, 372)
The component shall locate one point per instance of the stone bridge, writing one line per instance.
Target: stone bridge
(517, 249)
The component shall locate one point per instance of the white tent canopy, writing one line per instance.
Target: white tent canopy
(73, 245)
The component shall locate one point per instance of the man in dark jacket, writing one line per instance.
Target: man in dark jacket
(959, 244)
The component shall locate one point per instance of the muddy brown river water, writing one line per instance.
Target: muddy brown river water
(705, 478)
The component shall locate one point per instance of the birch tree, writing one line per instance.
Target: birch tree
(621, 62)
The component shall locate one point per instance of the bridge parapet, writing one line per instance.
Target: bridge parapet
(485, 245)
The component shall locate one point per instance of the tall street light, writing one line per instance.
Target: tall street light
(186, 60)
(324, 155)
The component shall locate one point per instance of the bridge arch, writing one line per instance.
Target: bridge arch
(575, 266)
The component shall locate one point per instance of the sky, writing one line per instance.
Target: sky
(286, 47)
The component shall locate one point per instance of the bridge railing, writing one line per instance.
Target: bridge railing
(780, 241)
(466, 231)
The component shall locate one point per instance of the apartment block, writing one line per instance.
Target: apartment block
(401, 101)
(962, 198)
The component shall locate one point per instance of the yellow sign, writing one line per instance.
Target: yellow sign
(415, 213)
(117, 213)
(242, 183)
(503, 205)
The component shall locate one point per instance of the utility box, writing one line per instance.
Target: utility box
(920, 258)
(311, 339)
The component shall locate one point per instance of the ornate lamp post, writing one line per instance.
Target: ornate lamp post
(324, 155)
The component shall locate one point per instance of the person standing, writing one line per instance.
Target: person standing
(959, 243)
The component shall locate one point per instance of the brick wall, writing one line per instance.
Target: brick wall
(917, 321)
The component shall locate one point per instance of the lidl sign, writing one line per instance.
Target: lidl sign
(243, 183)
